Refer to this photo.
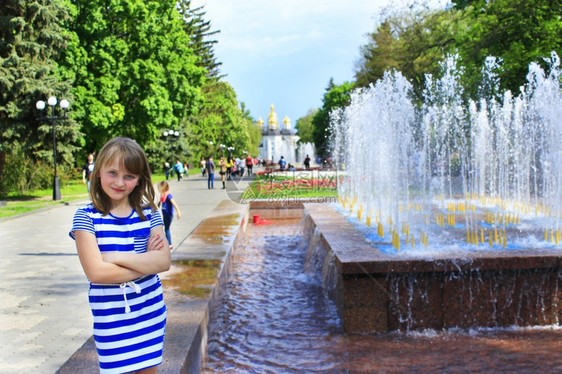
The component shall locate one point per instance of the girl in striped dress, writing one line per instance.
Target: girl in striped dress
(121, 245)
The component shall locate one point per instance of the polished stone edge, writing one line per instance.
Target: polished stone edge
(373, 291)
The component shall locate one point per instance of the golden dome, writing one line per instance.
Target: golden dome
(286, 123)
(260, 123)
(272, 120)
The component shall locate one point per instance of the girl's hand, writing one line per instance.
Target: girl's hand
(179, 215)
(155, 243)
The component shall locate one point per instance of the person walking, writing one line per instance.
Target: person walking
(203, 165)
(178, 167)
(87, 171)
(168, 205)
(167, 170)
(240, 163)
(223, 171)
(210, 166)
(307, 162)
(120, 242)
(249, 164)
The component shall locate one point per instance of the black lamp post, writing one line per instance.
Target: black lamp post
(171, 136)
(52, 101)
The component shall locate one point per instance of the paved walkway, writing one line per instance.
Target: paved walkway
(44, 312)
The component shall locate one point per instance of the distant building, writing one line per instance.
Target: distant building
(276, 143)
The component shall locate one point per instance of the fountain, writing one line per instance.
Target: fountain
(461, 204)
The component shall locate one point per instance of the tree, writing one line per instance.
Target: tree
(516, 31)
(31, 39)
(412, 43)
(199, 32)
(305, 128)
(334, 98)
(134, 72)
(220, 121)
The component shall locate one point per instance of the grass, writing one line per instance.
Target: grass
(32, 200)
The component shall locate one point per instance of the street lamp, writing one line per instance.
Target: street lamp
(64, 104)
(171, 136)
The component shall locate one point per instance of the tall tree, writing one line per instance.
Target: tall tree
(336, 96)
(31, 39)
(200, 34)
(305, 128)
(412, 43)
(516, 31)
(220, 121)
(137, 74)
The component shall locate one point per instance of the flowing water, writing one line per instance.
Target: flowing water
(274, 318)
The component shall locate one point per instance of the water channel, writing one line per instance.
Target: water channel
(274, 318)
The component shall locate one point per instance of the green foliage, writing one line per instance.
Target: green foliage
(220, 121)
(412, 43)
(23, 174)
(335, 97)
(305, 128)
(129, 68)
(517, 32)
(31, 39)
(199, 31)
(137, 74)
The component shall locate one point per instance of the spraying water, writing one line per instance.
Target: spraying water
(486, 173)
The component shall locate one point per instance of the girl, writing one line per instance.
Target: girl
(119, 239)
(168, 205)
(222, 172)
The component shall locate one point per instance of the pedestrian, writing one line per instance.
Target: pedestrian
(229, 164)
(178, 169)
(168, 205)
(167, 170)
(249, 164)
(282, 163)
(186, 169)
(307, 162)
(203, 165)
(87, 171)
(223, 171)
(120, 241)
(240, 166)
(210, 166)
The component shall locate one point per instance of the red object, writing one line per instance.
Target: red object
(261, 221)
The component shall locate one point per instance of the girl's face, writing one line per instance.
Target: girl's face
(116, 182)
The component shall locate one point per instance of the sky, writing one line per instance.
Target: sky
(285, 52)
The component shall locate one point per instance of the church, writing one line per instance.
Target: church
(277, 142)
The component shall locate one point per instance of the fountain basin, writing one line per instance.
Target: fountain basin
(374, 291)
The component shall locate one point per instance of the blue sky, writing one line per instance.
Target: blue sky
(285, 52)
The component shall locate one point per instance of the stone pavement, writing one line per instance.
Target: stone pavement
(44, 314)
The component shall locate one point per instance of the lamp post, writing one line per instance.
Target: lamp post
(64, 104)
(171, 136)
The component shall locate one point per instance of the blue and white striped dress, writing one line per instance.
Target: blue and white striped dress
(129, 318)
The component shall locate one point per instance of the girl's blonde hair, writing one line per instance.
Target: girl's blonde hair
(163, 186)
(134, 161)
